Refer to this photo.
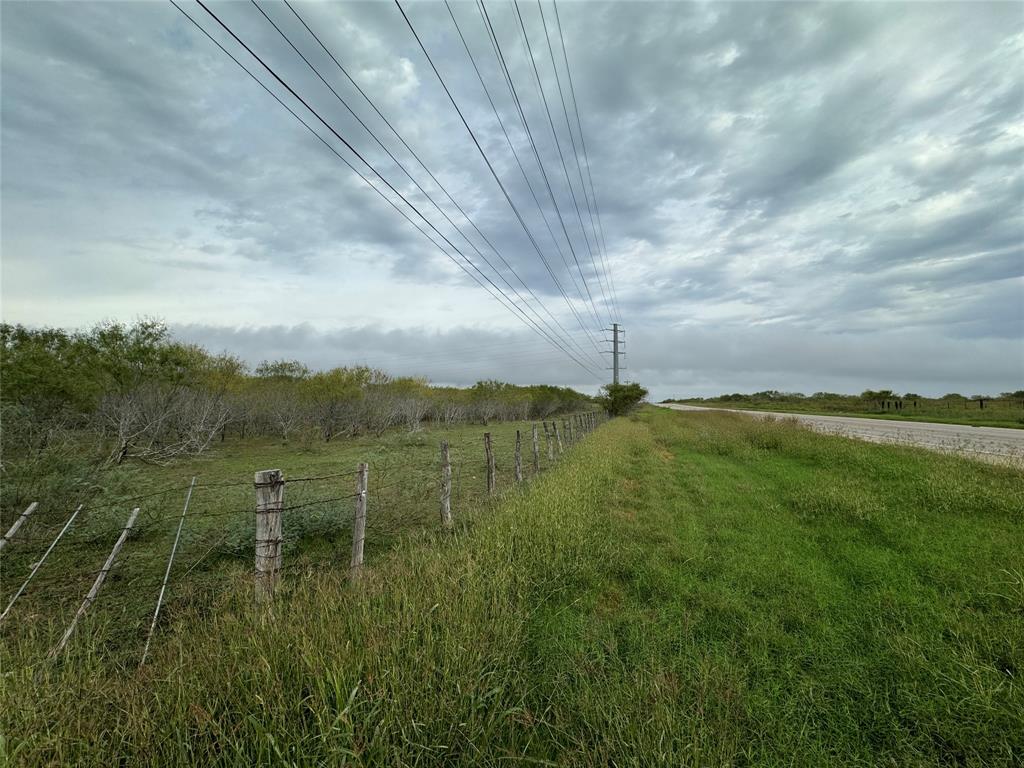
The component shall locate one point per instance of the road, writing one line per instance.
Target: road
(995, 444)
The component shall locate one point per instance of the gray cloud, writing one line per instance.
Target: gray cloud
(781, 185)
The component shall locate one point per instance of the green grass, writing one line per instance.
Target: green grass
(218, 535)
(682, 589)
(1001, 413)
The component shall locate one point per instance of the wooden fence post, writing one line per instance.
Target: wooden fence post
(17, 524)
(359, 520)
(40, 561)
(446, 486)
(491, 471)
(269, 506)
(90, 598)
(558, 437)
(519, 457)
(549, 443)
(536, 449)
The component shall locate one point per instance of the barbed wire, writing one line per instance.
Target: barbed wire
(403, 502)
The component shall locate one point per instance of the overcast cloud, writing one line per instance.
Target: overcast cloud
(793, 196)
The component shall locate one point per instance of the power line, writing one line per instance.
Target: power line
(576, 157)
(586, 160)
(483, 154)
(393, 129)
(515, 154)
(354, 151)
(426, 194)
(510, 306)
(499, 54)
(558, 144)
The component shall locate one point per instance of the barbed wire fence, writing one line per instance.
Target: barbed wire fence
(129, 565)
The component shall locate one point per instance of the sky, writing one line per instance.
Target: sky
(771, 195)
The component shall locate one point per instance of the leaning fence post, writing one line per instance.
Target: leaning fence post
(491, 472)
(269, 505)
(558, 437)
(519, 456)
(167, 573)
(549, 443)
(446, 486)
(40, 562)
(359, 520)
(17, 524)
(90, 598)
(536, 450)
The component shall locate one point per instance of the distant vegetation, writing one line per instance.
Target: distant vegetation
(73, 401)
(1004, 410)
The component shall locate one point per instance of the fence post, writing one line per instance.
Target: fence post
(491, 472)
(167, 573)
(40, 561)
(269, 505)
(550, 445)
(519, 456)
(90, 598)
(359, 520)
(17, 524)
(558, 436)
(536, 449)
(446, 486)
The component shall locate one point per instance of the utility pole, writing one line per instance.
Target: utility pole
(616, 350)
(615, 353)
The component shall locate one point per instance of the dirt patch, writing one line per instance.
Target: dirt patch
(630, 484)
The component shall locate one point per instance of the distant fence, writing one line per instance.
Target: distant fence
(380, 495)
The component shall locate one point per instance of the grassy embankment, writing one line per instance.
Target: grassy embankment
(996, 413)
(684, 589)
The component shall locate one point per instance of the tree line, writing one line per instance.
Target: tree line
(132, 391)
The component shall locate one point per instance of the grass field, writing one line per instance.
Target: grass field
(682, 589)
(218, 536)
(997, 413)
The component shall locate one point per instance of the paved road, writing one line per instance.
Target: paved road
(996, 444)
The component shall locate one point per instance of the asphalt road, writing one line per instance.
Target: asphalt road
(996, 444)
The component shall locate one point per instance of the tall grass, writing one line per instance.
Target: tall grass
(685, 589)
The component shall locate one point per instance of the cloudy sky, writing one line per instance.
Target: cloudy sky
(791, 196)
